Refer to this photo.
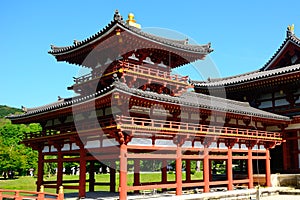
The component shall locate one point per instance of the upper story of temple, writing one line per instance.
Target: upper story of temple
(139, 59)
(275, 87)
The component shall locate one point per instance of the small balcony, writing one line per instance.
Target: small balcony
(136, 76)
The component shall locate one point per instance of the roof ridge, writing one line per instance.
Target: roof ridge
(118, 20)
(255, 75)
(290, 36)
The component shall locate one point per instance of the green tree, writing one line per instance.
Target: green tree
(15, 156)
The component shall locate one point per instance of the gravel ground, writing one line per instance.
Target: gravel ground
(281, 197)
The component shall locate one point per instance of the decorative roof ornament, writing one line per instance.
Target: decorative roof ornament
(131, 21)
(186, 41)
(290, 30)
(76, 42)
(115, 78)
(118, 16)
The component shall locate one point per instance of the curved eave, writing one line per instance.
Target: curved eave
(167, 43)
(57, 106)
(188, 100)
(251, 78)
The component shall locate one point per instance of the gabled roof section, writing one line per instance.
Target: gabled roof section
(117, 24)
(285, 51)
(285, 61)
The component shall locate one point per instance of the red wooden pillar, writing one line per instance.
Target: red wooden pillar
(82, 172)
(92, 176)
(59, 175)
(188, 170)
(268, 168)
(229, 169)
(206, 169)
(123, 172)
(112, 176)
(136, 178)
(164, 169)
(210, 171)
(40, 170)
(178, 170)
(250, 168)
(285, 155)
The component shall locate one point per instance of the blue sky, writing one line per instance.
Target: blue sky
(244, 35)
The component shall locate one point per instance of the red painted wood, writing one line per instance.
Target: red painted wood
(268, 168)
(164, 178)
(136, 178)
(178, 171)
(206, 170)
(123, 172)
(229, 169)
(82, 173)
(59, 176)
(250, 168)
(188, 170)
(92, 176)
(112, 177)
(40, 169)
(15, 194)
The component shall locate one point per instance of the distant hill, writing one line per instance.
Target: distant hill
(6, 110)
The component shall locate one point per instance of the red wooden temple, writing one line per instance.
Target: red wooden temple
(130, 107)
(274, 88)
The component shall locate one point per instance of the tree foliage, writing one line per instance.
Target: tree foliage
(15, 156)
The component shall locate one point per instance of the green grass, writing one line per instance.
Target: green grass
(20, 183)
(28, 183)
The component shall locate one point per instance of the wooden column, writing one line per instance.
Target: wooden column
(206, 169)
(178, 170)
(229, 169)
(188, 170)
(40, 169)
(112, 177)
(210, 171)
(123, 172)
(92, 176)
(268, 168)
(59, 175)
(164, 178)
(136, 178)
(285, 155)
(82, 172)
(250, 168)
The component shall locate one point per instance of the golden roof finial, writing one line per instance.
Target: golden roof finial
(131, 21)
(291, 28)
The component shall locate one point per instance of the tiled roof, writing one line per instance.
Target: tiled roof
(235, 80)
(189, 99)
(262, 73)
(118, 22)
(290, 37)
(204, 101)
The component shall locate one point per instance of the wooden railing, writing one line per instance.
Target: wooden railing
(184, 127)
(156, 125)
(22, 194)
(152, 72)
(79, 126)
(137, 69)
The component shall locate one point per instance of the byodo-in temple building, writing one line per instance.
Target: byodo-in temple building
(274, 88)
(131, 108)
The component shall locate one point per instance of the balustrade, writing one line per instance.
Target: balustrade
(138, 69)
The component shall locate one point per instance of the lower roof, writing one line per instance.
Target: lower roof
(188, 99)
(248, 77)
